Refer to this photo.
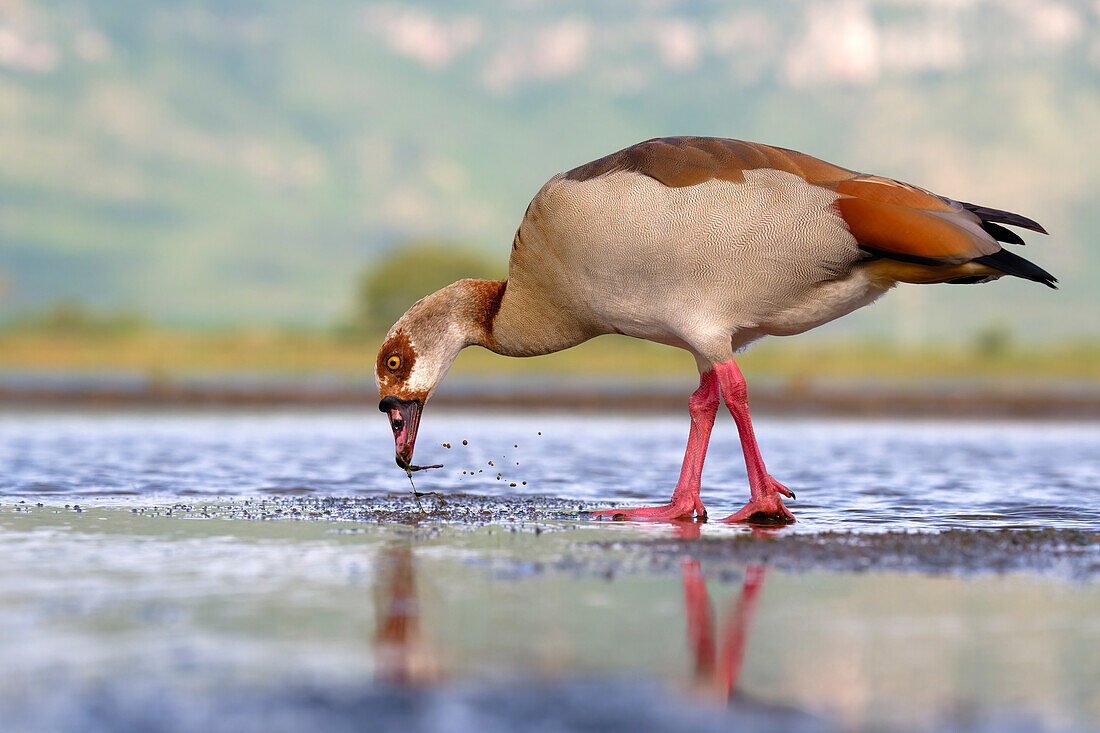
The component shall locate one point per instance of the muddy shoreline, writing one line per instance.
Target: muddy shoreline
(823, 400)
(1066, 553)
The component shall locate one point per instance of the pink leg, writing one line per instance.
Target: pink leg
(765, 506)
(703, 406)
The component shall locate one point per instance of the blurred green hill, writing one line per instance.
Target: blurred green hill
(214, 163)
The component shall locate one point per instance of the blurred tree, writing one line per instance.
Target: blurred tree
(407, 273)
(993, 341)
(70, 317)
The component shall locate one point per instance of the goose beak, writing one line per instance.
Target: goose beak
(404, 420)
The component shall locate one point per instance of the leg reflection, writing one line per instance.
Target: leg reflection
(735, 631)
(402, 653)
(718, 663)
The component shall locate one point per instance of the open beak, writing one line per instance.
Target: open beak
(404, 420)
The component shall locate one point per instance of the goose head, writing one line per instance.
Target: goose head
(419, 350)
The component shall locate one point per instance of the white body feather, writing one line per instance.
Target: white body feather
(709, 267)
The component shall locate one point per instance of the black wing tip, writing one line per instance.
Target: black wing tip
(1001, 234)
(999, 216)
(1013, 264)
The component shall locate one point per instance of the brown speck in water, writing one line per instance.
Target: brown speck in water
(540, 432)
(524, 483)
(516, 446)
(480, 470)
(446, 445)
(464, 442)
(490, 463)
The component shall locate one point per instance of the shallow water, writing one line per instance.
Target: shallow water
(850, 474)
(116, 621)
(187, 594)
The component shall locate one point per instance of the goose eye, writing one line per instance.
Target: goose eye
(393, 363)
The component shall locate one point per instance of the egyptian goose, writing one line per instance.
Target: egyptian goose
(706, 244)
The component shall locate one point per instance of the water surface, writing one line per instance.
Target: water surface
(851, 474)
(158, 576)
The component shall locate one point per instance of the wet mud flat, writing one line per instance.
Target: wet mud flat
(431, 509)
(485, 613)
(1062, 552)
(1071, 554)
(1068, 553)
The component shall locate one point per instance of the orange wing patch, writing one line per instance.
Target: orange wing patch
(893, 229)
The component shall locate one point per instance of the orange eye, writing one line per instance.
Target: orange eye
(393, 363)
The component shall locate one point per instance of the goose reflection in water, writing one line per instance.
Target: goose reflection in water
(402, 651)
(718, 659)
(405, 656)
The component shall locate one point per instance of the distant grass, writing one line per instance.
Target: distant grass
(164, 353)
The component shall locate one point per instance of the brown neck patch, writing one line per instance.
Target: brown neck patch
(485, 300)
